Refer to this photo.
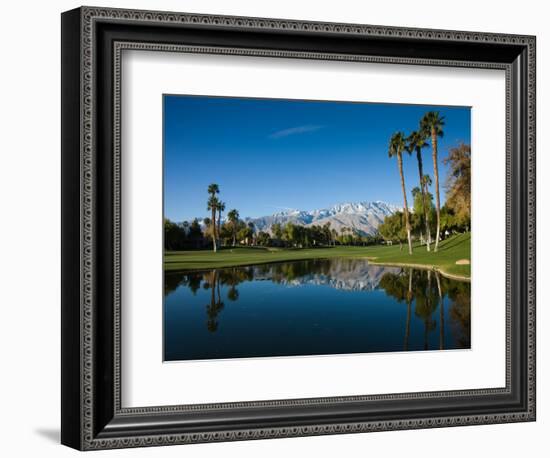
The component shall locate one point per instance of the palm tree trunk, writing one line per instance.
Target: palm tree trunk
(214, 230)
(219, 224)
(406, 207)
(427, 217)
(436, 175)
(423, 190)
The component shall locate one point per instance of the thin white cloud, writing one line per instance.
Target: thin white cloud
(295, 130)
(278, 207)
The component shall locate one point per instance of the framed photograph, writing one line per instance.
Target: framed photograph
(278, 228)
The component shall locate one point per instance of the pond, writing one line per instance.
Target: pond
(312, 307)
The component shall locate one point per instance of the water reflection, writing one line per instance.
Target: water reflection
(311, 300)
(428, 290)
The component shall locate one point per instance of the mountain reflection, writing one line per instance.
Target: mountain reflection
(345, 274)
(428, 296)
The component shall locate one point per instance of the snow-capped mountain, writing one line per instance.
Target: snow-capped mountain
(363, 217)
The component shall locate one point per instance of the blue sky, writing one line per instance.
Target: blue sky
(268, 155)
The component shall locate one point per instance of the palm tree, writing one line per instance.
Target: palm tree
(415, 142)
(213, 189)
(396, 148)
(233, 217)
(432, 124)
(212, 205)
(426, 181)
(221, 208)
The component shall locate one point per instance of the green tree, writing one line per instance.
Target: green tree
(233, 217)
(396, 148)
(226, 233)
(277, 231)
(174, 235)
(393, 229)
(432, 125)
(415, 142)
(448, 220)
(195, 234)
(458, 184)
(263, 239)
(290, 234)
(422, 204)
(243, 233)
(251, 232)
(334, 236)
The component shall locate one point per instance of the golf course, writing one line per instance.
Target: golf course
(452, 250)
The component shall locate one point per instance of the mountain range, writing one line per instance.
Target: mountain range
(362, 217)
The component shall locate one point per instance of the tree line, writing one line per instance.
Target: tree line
(455, 215)
(234, 231)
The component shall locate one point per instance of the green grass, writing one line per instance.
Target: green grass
(450, 251)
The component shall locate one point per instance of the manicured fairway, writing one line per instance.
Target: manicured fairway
(451, 250)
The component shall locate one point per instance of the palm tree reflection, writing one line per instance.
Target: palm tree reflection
(418, 286)
(441, 314)
(212, 281)
(417, 289)
(409, 302)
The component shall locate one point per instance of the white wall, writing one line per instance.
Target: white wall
(30, 240)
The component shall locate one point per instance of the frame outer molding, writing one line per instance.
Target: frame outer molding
(78, 248)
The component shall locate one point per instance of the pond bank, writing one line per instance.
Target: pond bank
(440, 270)
(444, 261)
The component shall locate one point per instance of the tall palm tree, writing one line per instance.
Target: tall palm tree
(212, 205)
(415, 142)
(213, 202)
(396, 148)
(233, 217)
(432, 124)
(221, 208)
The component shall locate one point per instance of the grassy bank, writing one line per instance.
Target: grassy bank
(450, 251)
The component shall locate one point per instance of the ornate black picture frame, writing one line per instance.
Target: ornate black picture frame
(92, 42)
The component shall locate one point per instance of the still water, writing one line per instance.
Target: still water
(312, 307)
